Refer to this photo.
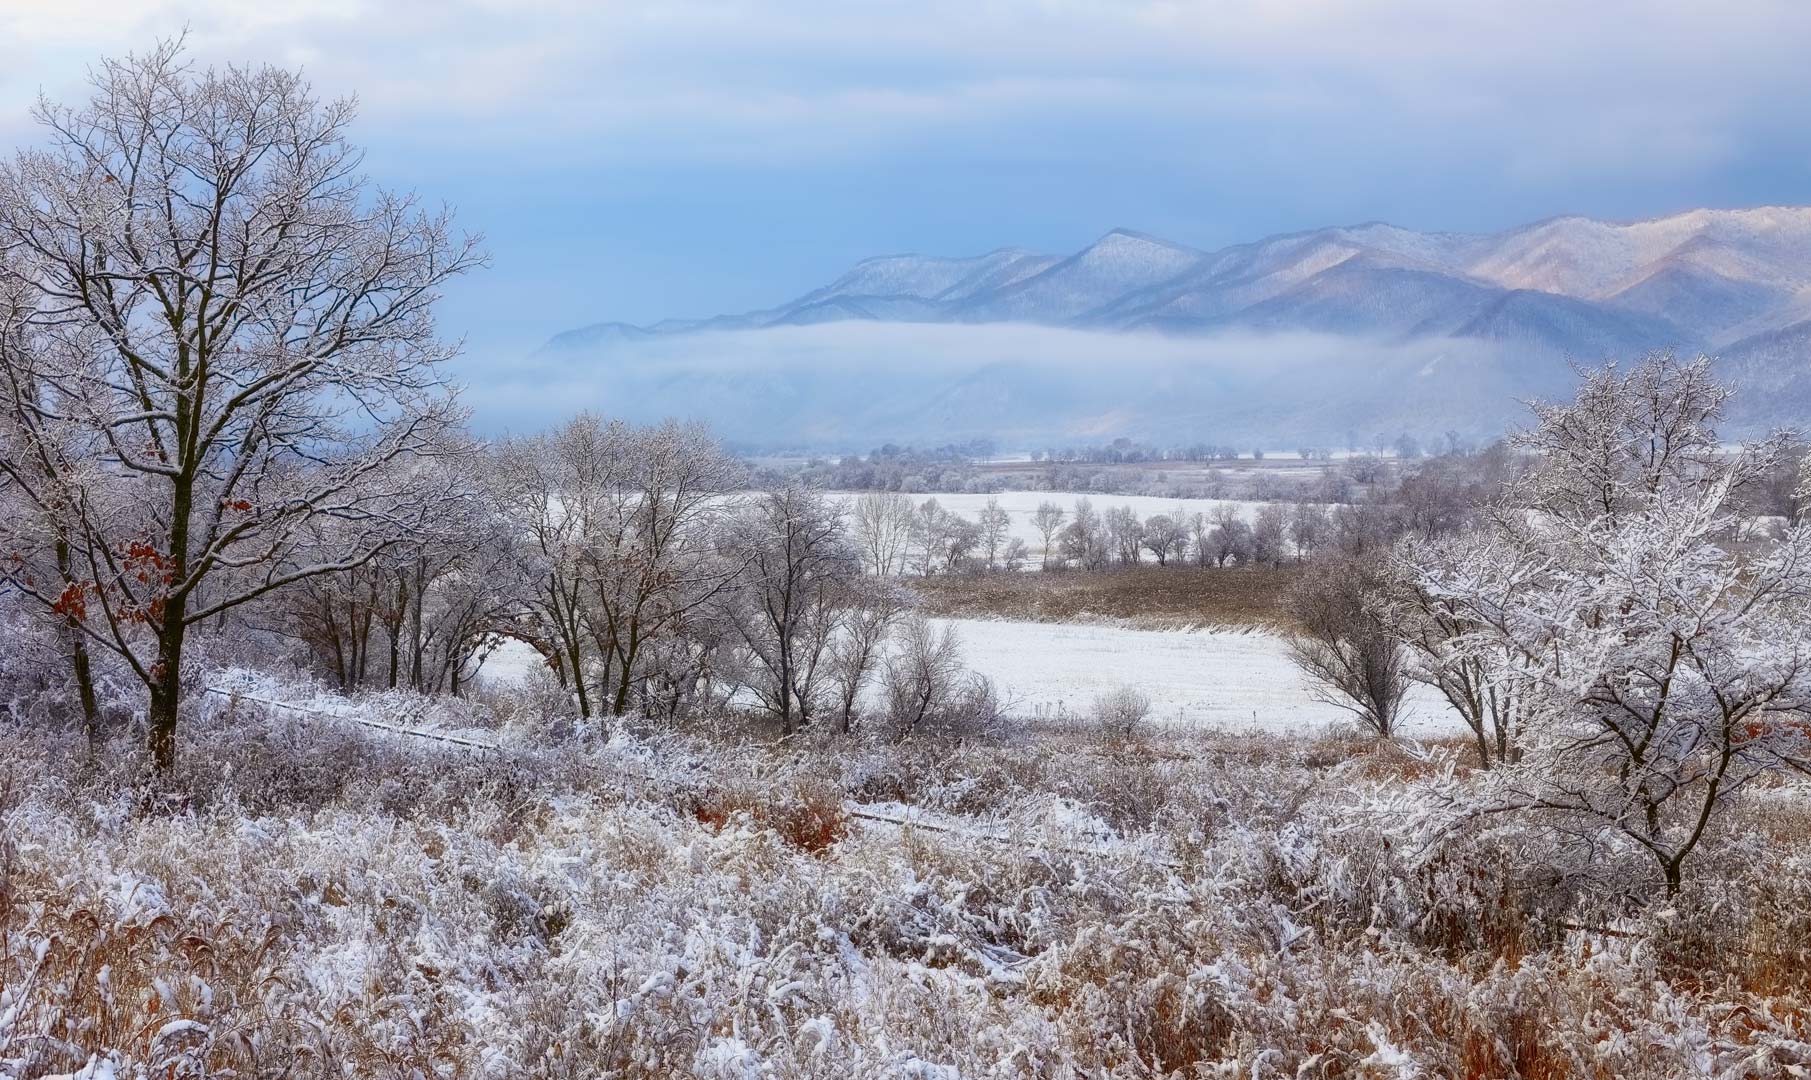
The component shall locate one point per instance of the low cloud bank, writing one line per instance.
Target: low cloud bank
(852, 385)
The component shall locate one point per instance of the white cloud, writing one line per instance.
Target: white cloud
(739, 78)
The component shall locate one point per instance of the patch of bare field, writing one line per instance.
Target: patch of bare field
(1148, 597)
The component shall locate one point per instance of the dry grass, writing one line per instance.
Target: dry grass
(1148, 596)
(1166, 905)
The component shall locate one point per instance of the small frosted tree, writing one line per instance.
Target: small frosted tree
(1348, 655)
(1659, 669)
(1165, 536)
(881, 525)
(785, 617)
(995, 526)
(1048, 520)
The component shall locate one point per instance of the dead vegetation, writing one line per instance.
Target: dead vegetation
(1070, 902)
(1149, 597)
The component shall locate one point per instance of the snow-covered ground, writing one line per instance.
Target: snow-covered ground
(509, 664)
(1227, 680)
(1221, 679)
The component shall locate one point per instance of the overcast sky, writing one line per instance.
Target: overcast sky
(632, 160)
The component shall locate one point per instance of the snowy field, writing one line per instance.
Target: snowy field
(1220, 679)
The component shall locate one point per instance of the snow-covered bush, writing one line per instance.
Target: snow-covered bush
(1121, 713)
(1659, 671)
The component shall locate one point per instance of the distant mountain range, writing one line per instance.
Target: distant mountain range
(1379, 328)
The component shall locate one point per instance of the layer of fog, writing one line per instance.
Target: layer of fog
(852, 385)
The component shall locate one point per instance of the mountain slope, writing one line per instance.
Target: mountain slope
(1437, 321)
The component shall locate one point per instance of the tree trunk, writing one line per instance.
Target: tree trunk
(626, 680)
(172, 622)
(78, 649)
(166, 690)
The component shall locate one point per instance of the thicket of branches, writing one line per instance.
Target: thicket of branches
(1630, 653)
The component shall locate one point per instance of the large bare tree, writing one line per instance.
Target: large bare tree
(238, 327)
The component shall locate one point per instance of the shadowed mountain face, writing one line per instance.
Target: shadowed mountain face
(1303, 337)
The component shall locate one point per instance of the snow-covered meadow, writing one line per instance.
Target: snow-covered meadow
(1223, 680)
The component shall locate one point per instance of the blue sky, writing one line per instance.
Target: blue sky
(639, 160)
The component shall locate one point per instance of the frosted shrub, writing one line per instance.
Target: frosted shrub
(1121, 713)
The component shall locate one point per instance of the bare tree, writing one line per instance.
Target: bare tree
(931, 526)
(240, 326)
(869, 609)
(1269, 532)
(552, 489)
(994, 524)
(1048, 520)
(798, 563)
(1440, 633)
(1200, 529)
(1126, 534)
(1230, 539)
(1084, 540)
(652, 558)
(961, 538)
(881, 523)
(1351, 659)
(1164, 536)
(1307, 529)
(928, 691)
(43, 476)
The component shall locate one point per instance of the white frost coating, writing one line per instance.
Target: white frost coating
(180, 1027)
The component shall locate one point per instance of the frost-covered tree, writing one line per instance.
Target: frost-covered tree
(1125, 533)
(928, 690)
(45, 468)
(1230, 538)
(784, 617)
(1048, 520)
(931, 528)
(868, 610)
(1165, 536)
(1307, 529)
(553, 490)
(1659, 669)
(1269, 534)
(1444, 650)
(651, 559)
(238, 328)
(1084, 540)
(995, 525)
(881, 525)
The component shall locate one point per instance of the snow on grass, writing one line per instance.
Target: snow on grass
(1222, 679)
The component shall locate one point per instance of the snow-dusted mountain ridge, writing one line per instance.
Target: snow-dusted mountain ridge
(1517, 305)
